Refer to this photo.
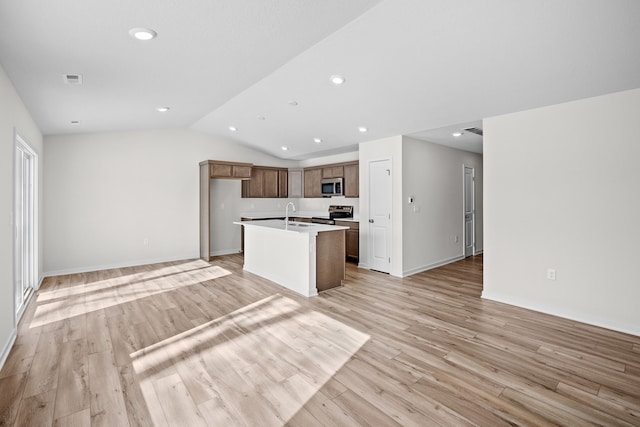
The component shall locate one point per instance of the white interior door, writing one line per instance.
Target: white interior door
(380, 215)
(24, 221)
(469, 211)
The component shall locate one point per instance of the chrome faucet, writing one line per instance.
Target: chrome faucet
(286, 213)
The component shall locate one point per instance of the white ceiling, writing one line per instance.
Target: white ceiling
(422, 68)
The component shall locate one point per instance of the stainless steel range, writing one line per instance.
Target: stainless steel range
(335, 212)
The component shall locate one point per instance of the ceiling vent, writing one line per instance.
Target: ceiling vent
(474, 130)
(73, 79)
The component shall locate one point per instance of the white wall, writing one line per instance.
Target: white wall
(14, 117)
(433, 175)
(382, 149)
(226, 206)
(561, 192)
(327, 160)
(108, 192)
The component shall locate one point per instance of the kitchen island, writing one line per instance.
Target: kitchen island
(306, 258)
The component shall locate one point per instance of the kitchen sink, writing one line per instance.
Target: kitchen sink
(298, 224)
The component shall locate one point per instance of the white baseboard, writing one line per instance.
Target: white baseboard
(363, 265)
(7, 347)
(632, 329)
(478, 252)
(431, 266)
(120, 265)
(225, 252)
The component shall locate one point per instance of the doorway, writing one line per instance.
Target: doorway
(380, 215)
(469, 211)
(25, 222)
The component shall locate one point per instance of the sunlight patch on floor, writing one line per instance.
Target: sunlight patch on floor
(258, 365)
(65, 302)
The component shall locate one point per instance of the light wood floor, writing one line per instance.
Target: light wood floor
(193, 343)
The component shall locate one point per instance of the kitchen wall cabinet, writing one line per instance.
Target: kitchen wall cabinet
(348, 171)
(253, 187)
(333, 172)
(265, 182)
(312, 179)
(283, 183)
(229, 170)
(270, 183)
(352, 180)
(352, 239)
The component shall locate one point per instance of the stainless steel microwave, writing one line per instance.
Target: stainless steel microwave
(332, 187)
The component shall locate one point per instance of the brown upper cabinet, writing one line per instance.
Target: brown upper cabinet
(312, 179)
(352, 180)
(349, 171)
(333, 172)
(229, 170)
(283, 183)
(265, 182)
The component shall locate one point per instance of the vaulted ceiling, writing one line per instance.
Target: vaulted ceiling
(422, 68)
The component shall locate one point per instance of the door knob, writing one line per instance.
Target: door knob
(371, 220)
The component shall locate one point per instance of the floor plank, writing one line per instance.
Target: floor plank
(196, 343)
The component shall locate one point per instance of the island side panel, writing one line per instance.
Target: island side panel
(282, 257)
(330, 259)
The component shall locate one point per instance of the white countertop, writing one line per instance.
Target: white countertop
(297, 214)
(280, 214)
(295, 227)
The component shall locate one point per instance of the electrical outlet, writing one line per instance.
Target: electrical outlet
(145, 241)
(456, 239)
(416, 208)
(551, 274)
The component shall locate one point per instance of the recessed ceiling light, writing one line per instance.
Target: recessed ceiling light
(337, 80)
(283, 148)
(75, 122)
(293, 103)
(162, 109)
(362, 129)
(317, 140)
(233, 128)
(143, 34)
(457, 134)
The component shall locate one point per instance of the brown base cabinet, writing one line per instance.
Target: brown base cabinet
(352, 239)
(299, 219)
